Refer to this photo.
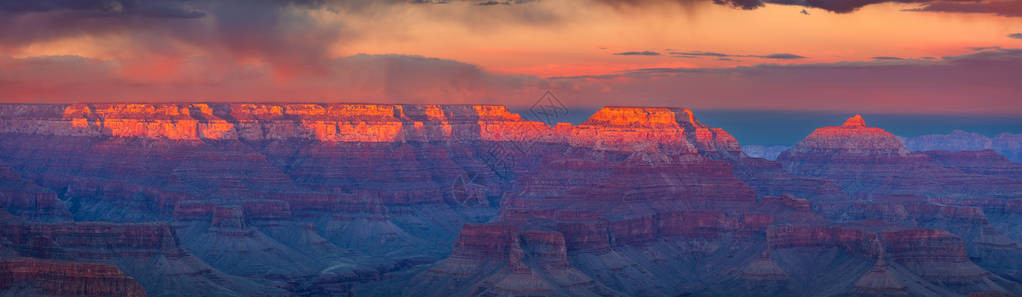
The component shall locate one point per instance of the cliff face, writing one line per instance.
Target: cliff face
(867, 161)
(1006, 144)
(673, 130)
(620, 128)
(58, 278)
(851, 138)
(26, 199)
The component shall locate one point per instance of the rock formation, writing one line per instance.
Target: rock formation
(866, 161)
(370, 199)
(1006, 144)
(59, 278)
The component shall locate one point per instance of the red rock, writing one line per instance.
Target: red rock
(485, 240)
(193, 210)
(674, 130)
(590, 236)
(985, 162)
(92, 240)
(546, 248)
(851, 138)
(29, 200)
(788, 236)
(61, 278)
(789, 201)
(867, 161)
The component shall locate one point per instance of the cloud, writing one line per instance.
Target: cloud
(362, 78)
(1001, 7)
(982, 82)
(780, 56)
(106, 8)
(709, 54)
(885, 58)
(1011, 8)
(279, 33)
(642, 53)
(1016, 36)
(292, 36)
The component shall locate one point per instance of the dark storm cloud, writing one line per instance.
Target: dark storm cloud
(1011, 8)
(505, 2)
(784, 56)
(743, 4)
(1002, 7)
(638, 53)
(275, 32)
(159, 9)
(490, 3)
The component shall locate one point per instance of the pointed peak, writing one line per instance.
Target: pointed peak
(855, 121)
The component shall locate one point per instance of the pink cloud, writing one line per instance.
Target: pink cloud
(982, 82)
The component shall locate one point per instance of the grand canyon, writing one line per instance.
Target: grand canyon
(510, 148)
(346, 199)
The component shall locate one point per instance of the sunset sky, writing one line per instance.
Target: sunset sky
(880, 56)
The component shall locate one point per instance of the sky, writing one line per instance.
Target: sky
(918, 57)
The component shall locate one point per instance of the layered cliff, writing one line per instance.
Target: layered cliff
(1006, 144)
(866, 161)
(58, 278)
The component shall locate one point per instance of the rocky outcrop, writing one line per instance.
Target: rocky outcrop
(671, 130)
(985, 162)
(1006, 144)
(147, 252)
(851, 138)
(867, 161)
(941, 258)
(955, 141)
(28, 200)
(59, 278)
(98, 241)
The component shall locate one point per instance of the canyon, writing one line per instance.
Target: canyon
(260, 199)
